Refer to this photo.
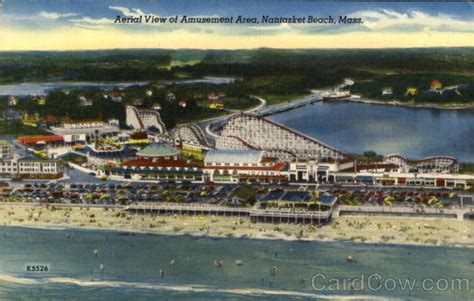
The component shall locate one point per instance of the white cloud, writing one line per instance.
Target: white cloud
(279, 27)
(55, 16)
(412, 20)
(134, 12)
(91, 23)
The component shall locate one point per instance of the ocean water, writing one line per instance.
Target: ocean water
(412, 132)
(103, 265)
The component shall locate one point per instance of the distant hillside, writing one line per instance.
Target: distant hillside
(326, 66)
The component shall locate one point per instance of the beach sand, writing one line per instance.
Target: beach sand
(396, 230)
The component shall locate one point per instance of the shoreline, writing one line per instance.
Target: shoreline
(197, 235)
(396, 103)
(298, 103)
(355, 229)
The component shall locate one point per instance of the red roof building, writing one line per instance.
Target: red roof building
(183, 103)
(215, 96)
(36, 139)
(436, 84)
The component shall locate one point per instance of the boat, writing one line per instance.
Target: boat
(337, 95)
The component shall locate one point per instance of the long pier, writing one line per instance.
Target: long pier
(292, 216)
(402, 211)
(255, 215)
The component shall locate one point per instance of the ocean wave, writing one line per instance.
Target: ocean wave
(249, 292)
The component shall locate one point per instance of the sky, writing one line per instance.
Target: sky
(89, 24)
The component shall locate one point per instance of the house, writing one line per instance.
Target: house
(52, 140)
(48, 121)
(215, 96)
(387, 91)
(85, 102)
(117, 96)
(218, 105)
(6, 150)
(12, 101)
(411, 91)
(436, 84)
(41, 101)
(30, 119)
(11, 115)
(137, 102)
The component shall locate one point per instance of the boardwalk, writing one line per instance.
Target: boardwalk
(403, 211)
(255, 215)
(292, 216)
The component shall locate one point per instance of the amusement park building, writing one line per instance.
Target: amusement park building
(157, 161)
(85, 130)
(144, 119)
(243, 166)
(247, 132)
(437, 164)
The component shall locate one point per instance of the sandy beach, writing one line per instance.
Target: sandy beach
(395, 230)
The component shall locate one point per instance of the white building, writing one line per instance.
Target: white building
(243, 166)
(31, 168)
(8, 168)
(85, 102)
(6, 150)
(12, 101)
(38, 166)
(84, 130)
(144, 119)
(316, 171)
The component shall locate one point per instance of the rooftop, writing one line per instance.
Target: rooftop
(158, 150)
(234, 156)
(36, 139)
(160, 163)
